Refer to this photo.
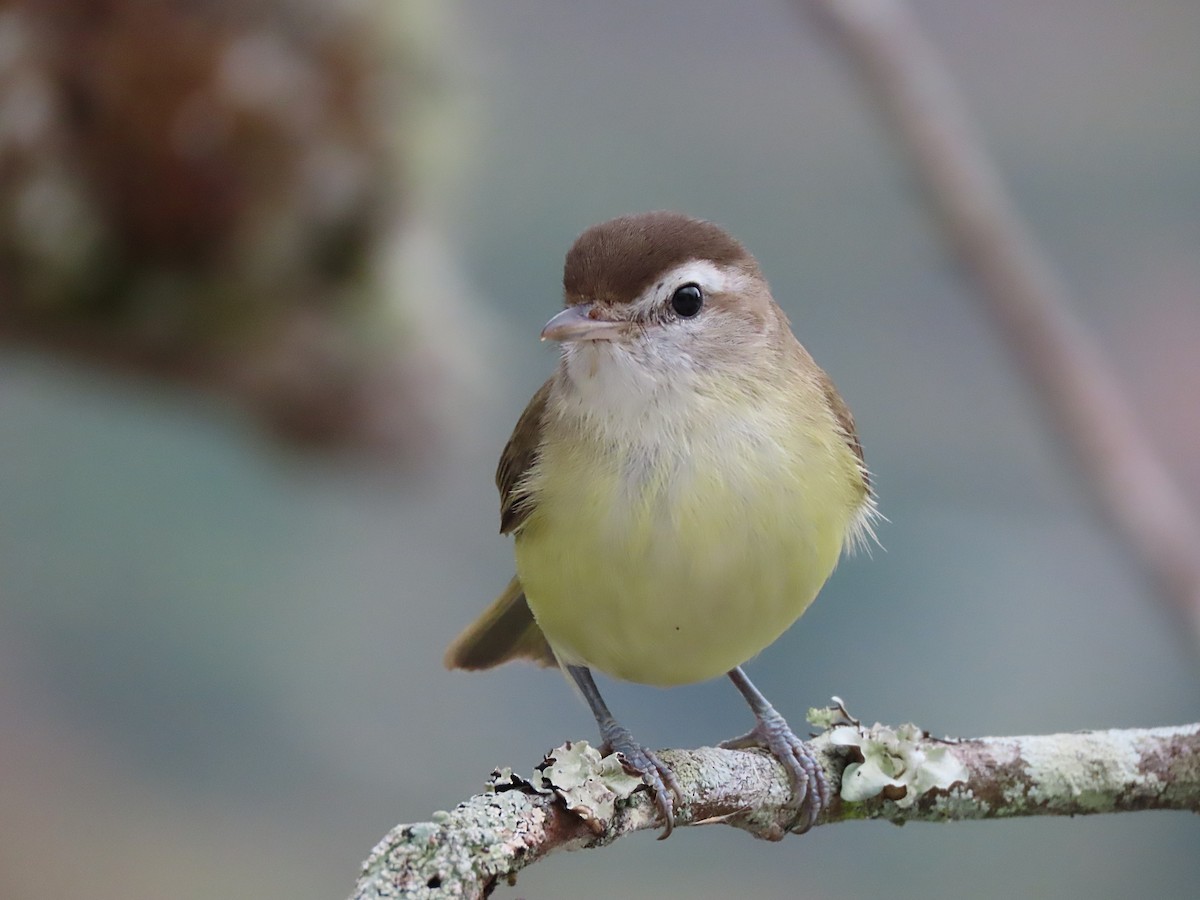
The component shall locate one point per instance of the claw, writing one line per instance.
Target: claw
(615, 738)
(655, 774)
(806, 775)
(772, 732)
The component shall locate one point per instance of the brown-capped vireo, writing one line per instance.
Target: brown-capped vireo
(679, 490)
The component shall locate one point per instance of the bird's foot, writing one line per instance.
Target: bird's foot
(655, 773)
(808, 778)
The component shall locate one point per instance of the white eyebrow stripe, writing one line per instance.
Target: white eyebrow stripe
(711, 278)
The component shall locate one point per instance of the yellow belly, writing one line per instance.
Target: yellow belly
(674, 568)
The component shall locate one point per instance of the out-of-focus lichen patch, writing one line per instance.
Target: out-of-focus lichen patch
(824, 717)
(1073, 771)
(1007, 778)
(828, 717)
(1175, 765)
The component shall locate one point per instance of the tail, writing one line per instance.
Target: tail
(505, 631)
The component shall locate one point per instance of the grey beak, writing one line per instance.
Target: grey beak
(575, 324)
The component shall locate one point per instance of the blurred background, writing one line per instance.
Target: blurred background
(271, 279)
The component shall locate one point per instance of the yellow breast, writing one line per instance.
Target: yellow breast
(673, 558)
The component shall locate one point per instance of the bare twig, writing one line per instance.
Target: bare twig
(901, 775)
(1082, 395)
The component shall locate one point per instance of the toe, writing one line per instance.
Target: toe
(658, 777)
(808, 781)
(806, 776)
(745, 742)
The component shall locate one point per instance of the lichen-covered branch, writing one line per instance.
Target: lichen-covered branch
(576, 800)
(1084, 400)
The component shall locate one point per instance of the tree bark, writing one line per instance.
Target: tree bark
(577, 801)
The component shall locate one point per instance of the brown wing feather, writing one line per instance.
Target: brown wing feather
(507, 629)
(520, 453)
(845, 419)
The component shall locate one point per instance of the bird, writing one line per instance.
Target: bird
(678, 491)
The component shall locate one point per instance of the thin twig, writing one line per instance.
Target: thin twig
(901, 775)
(1082, 395)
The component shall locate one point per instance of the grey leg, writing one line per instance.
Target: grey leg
(773, 733)
(615, 738)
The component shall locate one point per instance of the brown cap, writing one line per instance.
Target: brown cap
(615, 261)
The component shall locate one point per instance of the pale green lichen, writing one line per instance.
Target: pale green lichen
(828, 717)
(589, 785)
(1083, 769)
(824, 717)
(897, 763)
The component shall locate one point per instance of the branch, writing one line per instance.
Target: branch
(1081, 394)
(576, 800)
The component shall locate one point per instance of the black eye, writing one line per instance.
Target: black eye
(687, 300)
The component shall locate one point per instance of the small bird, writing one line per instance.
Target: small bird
(678, 491)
